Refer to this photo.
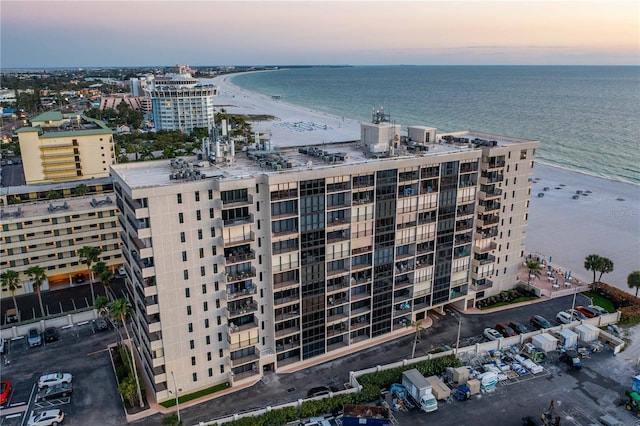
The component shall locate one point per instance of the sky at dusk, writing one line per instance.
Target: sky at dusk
(162, 33)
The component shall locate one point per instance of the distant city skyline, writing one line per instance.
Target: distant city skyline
(142, 33)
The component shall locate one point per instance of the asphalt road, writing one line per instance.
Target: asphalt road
(275, 388)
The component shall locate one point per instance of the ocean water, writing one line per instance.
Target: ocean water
(587, 118)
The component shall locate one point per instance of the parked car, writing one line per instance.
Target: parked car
(505, 330)
(600, 309)
(34, 337)
(572, 358)
(51, 335)
(519, 327)
(539, 322)
(588, 312)
(5, 391)
(78, 279)
(56, 391)
(46, 418)
(99, 324)
(52, 379)
(564, 317)
(577, 315)
(320, 390)
(492, 334)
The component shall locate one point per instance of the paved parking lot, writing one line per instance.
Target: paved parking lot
(79, 351)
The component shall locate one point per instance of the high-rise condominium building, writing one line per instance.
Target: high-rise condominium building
(276, 259)
(63, 147)
(179, 102)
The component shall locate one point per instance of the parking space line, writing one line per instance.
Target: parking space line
(11, 416)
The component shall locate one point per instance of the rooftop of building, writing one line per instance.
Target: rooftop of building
(57, 208)
(73, 125)
(265, 159)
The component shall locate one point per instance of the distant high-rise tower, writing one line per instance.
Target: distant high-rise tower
(179, 102)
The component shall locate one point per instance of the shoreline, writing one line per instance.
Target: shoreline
(559, 226)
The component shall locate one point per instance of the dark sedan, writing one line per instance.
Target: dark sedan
(57, 391)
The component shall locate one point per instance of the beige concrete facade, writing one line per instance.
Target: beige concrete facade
(58, 148)
(272, 259)
(49, 233)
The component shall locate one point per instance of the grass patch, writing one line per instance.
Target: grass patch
(516, 300)
(600, 300)
(194, 395)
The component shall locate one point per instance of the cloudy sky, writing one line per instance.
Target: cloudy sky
(136, 33)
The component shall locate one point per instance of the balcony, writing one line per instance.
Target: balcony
(239, 239)
(241, 275)
(494, 164)
(487, 248)
(488, 207)
(338, 221)
(360, 296)
(241, 257)
(488, 220)
(487, 178)
(285, 284)
(238, 202)
(490, 193)
(288, 331)
(236, 362)
(337, 318)
(236, 221)
(284, 195)
(402, 281)
(286, 300)
(235, 294)
(241, 309)
(485, 260)
(233, 328)
(483, 284)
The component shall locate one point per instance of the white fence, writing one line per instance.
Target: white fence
(65, 321)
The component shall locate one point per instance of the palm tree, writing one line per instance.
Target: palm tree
(418, 326)
(534, 270)
(104, 275)
(121, 309)
(604, 267)
(89, 254)
(39, 276)
(591, 263)
(11, 281)
(633, 281)
(81, 190)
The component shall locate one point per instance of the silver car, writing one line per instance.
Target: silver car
(34, 338)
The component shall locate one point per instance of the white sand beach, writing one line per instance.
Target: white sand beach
(564, 228)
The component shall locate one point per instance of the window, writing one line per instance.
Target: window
(198, 215)
(185, 273)
(211, 194)
(193, 360)
(199, 234)
(215, 286)
(182, 237)
(211, 213)
(195, 377)
(210, 372)
(219, 337)
(197, 195)
(221, 369)
(204, 289)
(180, 218)
(188, 309)
(221, 353)
(206, 323)
(179, 196)
(208, 356)
(219, 320)
(187, 292)
(184, 256)
(192, 344)
(190, 327)
(205, 306)
(207, 339)
(202, 271)
(201, 253)
(217, 303)
(213, 232)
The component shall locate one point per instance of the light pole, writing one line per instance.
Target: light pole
(176, 389)
(573, 304)
(459, 327)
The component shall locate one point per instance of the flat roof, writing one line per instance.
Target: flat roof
(60, 207)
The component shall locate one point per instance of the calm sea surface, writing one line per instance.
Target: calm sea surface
(586, 118)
